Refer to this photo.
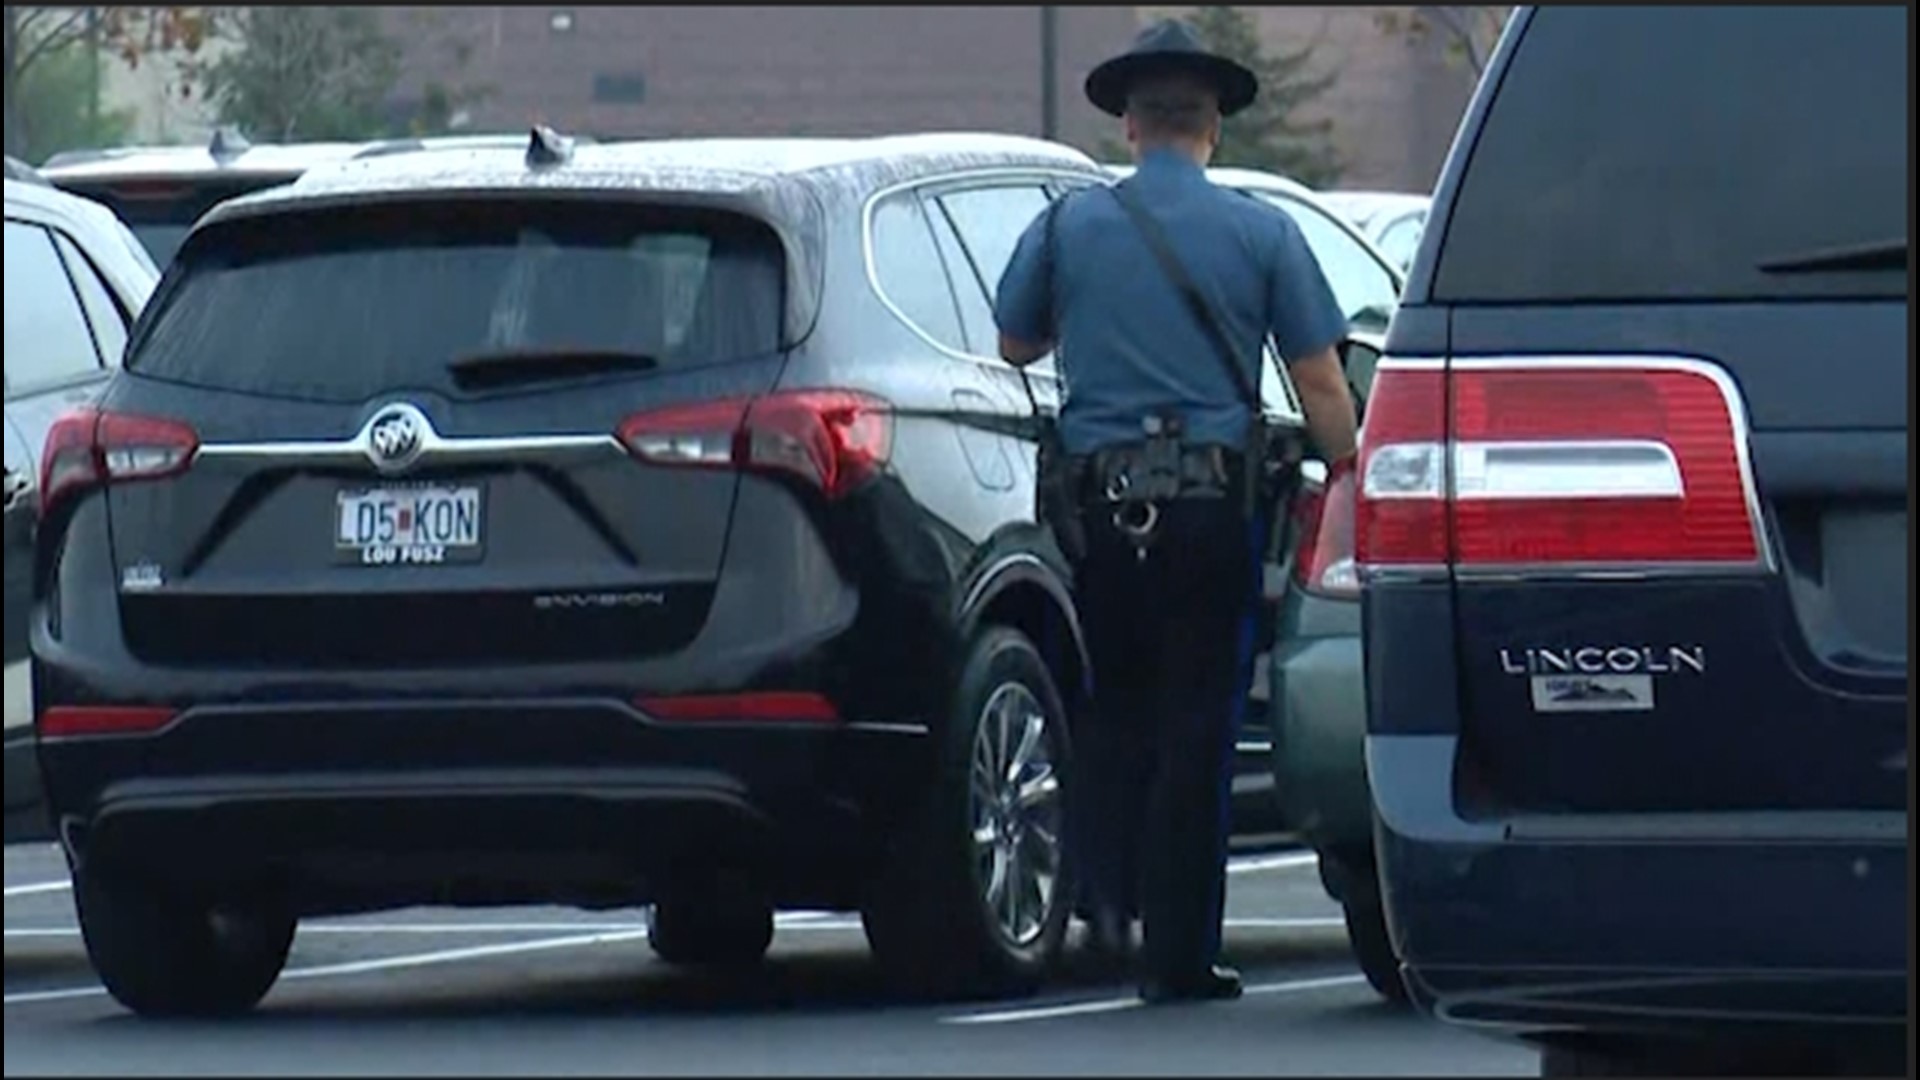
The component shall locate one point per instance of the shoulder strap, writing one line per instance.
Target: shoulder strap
(1156, 239)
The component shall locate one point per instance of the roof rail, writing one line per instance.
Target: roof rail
(227, 144)
(548, 147)
(422, 144)
(389, 146)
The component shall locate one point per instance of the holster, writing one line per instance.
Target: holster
(1058, 481)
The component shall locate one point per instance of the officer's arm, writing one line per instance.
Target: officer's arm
(1308, 326)
(1021, 305)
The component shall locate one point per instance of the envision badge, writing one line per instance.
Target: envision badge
(396, 436)
(576, 601)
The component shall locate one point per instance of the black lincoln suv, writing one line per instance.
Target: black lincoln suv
(1633, 530)
(595, 525)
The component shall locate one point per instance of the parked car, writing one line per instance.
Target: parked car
(1392, 220)
(644, 523)
(20, 170)
(75, 280)
(1633, 524)
(162, 190)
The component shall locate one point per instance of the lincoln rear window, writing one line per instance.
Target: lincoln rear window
(345, 305)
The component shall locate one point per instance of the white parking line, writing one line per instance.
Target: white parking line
(1254, 864)
(38, 889)
(457, 956)
(1109, 1005)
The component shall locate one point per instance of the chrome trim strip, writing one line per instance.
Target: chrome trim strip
(889, 729)
(1598, 459)
(435, 449)
(1409, 363)
(993, 573)
(872, 203)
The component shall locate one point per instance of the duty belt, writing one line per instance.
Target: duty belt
(1131, 481)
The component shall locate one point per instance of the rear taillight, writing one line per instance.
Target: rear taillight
(1565, 464)
(89, 448)
(835, 440)
(1323, 562)
(68, 722)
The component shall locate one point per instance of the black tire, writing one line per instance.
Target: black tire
(714, 929)
(929, 919)
(164, 954)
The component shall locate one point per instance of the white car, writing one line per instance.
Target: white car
(76, 278)
(1392, 220)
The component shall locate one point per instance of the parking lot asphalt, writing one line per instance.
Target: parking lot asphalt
(546, 991)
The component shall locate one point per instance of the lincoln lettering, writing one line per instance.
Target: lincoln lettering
(1606, 660)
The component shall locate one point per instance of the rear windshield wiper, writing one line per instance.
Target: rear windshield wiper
(1878, 255)
(541, 365)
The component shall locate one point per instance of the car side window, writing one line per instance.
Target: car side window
(976, 307)
(911, 275)
(991, 220)
(47, 339)
(109, 320)
(1365, 289)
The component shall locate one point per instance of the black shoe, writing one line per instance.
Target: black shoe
(1214, 984)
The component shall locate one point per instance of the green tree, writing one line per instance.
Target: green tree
(54, 36)
(1273, 134)
(302, 73)
(56, 108)
(1467, 33)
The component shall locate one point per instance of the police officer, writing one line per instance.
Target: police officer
(1168, 588)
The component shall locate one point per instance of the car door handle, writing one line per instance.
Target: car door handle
(17, 489)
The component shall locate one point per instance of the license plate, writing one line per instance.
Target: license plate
(408, 526)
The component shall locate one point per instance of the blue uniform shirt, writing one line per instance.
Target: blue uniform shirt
(1127, 345)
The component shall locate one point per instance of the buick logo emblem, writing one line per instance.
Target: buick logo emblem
(396, 436)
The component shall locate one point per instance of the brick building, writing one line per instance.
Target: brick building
(642, 71)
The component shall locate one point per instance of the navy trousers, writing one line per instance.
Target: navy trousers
(1170, 637)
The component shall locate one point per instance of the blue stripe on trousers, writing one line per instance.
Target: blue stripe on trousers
(1236, 708)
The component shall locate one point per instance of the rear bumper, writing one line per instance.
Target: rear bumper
(381, 804)
(1767, 926)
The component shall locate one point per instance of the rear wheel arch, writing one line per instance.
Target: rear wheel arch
(1023, 594)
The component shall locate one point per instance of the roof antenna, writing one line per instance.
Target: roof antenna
(228, 144)
(548, 147)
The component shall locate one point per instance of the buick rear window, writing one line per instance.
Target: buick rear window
(343, 306)
(1690, 153)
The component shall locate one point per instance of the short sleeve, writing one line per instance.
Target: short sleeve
(1021, 302)
(1305, 316)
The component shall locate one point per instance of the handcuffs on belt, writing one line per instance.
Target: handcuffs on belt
(1134, 479)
